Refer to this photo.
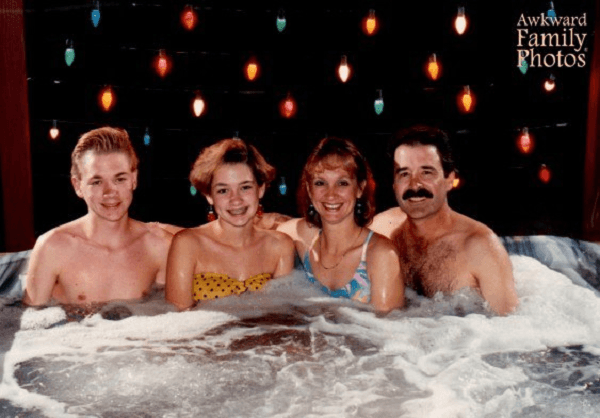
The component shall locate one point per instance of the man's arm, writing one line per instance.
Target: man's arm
(387, 283)
(43, 271)
(493, 271)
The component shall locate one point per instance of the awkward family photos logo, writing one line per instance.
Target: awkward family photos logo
(546, 40)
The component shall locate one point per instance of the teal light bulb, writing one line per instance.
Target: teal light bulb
(281, 22)
(193, 191)
(524, 66)
(69, 56)
(379, 106)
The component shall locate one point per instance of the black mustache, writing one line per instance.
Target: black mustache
(417, 193)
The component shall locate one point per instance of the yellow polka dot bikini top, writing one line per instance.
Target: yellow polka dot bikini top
(215, 285)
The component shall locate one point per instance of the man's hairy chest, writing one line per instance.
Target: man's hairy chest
(431, 267)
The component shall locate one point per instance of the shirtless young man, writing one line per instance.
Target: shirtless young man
(104, 255)
(440, 249)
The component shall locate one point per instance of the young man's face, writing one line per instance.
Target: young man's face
(106, 184)
(419, 183)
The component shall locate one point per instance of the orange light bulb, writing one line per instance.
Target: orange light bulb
(107, 98)
(252, 69)
(433, 68)
(525, 142)
(456, 182)
(544, 174)
(189, 19)
(288, 107)
(162, 64)
(466, 100)
(371, 23)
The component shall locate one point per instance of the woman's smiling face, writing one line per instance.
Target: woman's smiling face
(333, 191)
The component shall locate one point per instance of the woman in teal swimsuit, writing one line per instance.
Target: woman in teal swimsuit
(337, 249)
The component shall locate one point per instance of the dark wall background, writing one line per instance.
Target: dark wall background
(500, 186)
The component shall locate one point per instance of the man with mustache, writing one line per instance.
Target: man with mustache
(440, 249)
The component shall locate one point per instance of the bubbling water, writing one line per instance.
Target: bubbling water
(287, 351)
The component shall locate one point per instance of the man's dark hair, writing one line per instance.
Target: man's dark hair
(426, 135)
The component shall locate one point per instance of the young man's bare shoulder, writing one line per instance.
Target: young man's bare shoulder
(155, 231)
(198, 235)
(63, 236)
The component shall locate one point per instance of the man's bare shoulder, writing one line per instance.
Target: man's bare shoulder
(477, 235)
(388, 222)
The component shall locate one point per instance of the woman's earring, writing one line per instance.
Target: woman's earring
(358, 208)
(311, 210)
(211, 214)
(260, 212)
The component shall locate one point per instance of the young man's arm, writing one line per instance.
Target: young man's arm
(493, 271)
(43, 270)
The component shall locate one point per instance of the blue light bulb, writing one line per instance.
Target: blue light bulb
(147, 137)
(282, 187)
(96, 17)
(551, 12)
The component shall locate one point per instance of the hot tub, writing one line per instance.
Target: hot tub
(288, 351)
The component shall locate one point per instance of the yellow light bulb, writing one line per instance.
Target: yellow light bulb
(54, 131)
(198, 106)
(460, 23)
(344, 69)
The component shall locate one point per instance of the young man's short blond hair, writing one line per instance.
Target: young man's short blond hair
(103, 141)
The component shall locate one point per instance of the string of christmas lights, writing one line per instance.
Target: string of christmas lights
(288, 106)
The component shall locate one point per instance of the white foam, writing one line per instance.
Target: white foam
(287, 351)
